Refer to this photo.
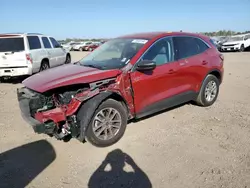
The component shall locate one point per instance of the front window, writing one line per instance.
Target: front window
(232, 39)
(114, 54)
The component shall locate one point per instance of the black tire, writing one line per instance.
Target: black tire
(201, 99)
(44, 65)
(68, 59)
(241, 48)
(80, 49)
(90, 135)
(90, 49)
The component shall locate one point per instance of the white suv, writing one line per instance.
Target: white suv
(29, 53)
(236, 43)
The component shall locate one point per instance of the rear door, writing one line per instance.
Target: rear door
(193, 60)
(37, 52)
(58, 52)
(12, 52)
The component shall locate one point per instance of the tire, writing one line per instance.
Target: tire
(202, 100)
(118, 133)
(241, 48)
(91, 49)
(44, 65)
(80, 49)
(68, 59)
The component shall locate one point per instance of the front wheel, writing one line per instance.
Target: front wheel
(209, 91)
(44, 66)
(108, 124)
(68, 59)
(242, 48)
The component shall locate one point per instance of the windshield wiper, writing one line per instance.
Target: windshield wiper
(92, 66)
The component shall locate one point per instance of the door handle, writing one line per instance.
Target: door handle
(171, 71)
(204, 62)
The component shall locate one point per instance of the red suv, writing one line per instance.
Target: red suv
(125, 78)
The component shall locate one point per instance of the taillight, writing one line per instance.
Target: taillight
(29, 58)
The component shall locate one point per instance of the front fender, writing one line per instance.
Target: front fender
(87, 111)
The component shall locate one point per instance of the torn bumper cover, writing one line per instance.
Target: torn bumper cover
(24, 96)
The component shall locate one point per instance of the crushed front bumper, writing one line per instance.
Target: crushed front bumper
(24, 95)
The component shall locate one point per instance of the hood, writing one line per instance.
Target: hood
(232, 42)
(66, 75)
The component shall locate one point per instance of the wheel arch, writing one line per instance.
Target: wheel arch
(45, 60)
(216, 72)
(88, 108)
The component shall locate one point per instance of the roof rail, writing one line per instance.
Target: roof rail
(34, 34)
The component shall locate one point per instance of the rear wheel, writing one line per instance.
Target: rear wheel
(108, 124)
(80, 49)
(44, 65)
(209, 91)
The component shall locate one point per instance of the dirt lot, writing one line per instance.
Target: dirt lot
(188, 146)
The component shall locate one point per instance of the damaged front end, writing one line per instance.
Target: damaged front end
(55, 112)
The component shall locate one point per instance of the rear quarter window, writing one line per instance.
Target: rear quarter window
(34, 42)
(201, 45)
(12, 44)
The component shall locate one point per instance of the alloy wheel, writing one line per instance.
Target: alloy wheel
(107, 123)
(211, 91)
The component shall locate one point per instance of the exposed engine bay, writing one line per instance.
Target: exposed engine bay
(55, 111)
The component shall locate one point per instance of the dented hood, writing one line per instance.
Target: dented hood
(66, 75)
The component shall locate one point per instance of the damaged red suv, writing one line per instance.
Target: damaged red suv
(125, 78)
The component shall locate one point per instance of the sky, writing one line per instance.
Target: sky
(111, 18)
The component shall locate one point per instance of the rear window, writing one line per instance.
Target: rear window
(34, 42)
(14, 44)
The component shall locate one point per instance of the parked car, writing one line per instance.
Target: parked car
(94, 98)
(69, 46)
(93, 46)
(29, 53)
(237, 43)
(81, 46)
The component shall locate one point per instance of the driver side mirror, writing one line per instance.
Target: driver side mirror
(146, 65)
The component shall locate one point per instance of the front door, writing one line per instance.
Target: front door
(153, 88)
(58, 52)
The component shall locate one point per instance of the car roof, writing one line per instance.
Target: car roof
(20, 34)
(151, 35)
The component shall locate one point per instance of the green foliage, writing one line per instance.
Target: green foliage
(211, 34)
(223, 33)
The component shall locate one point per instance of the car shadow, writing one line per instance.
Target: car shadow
(15, 80)
(116, 176)
(247, 49)
(19, 166)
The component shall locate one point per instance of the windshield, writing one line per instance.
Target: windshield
(231, 39)
(114, 54)
(11, 44)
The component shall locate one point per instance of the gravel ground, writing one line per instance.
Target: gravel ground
(185, 147)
